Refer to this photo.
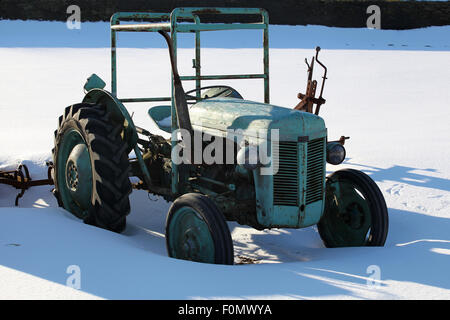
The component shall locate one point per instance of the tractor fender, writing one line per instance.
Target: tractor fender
(118, 111)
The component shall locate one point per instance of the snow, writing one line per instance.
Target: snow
(35, 34)
(18, 285)
(393, 105)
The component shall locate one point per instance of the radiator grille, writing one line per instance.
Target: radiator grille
(285, 181)
(315, 170)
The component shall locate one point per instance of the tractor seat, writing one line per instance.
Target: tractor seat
(161, 116)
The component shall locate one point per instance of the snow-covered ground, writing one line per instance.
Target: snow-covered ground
(393, 104)
(32, 34)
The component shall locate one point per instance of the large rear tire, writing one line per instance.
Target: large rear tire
(196, 230)
(91, 168)
(355, 211)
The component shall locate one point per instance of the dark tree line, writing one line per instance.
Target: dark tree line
(339, 13)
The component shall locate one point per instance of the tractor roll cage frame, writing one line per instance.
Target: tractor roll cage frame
(194, 26)
(174, 26)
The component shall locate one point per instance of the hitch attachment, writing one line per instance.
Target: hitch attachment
(309, 98)
(20, 179)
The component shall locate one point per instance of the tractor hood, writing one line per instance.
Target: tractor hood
(216, 116)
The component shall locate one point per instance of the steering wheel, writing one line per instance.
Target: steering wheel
(217, 94)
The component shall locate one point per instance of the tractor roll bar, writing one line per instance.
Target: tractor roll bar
(196, 26)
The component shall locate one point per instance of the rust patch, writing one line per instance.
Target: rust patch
(309, 98)
(206, 11)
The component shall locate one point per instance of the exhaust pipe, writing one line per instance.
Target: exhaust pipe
(184, 121)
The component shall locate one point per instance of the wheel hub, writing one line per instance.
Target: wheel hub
(190, 237)
(348, 214)
(79, 175)
(72, 176)
(355, 216)
(190, 245)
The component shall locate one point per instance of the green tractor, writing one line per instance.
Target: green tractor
(228, 159)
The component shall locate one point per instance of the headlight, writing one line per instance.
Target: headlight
(335, 153)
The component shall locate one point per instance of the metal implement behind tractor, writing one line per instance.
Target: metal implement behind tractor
(20, 179)
(287, 189)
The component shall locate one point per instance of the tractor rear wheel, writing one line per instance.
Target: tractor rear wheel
(196, 230)
(355, 211)
(91, 168)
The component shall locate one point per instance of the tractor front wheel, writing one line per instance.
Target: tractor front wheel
(355, 211)
(196, 230)
(91, 168)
